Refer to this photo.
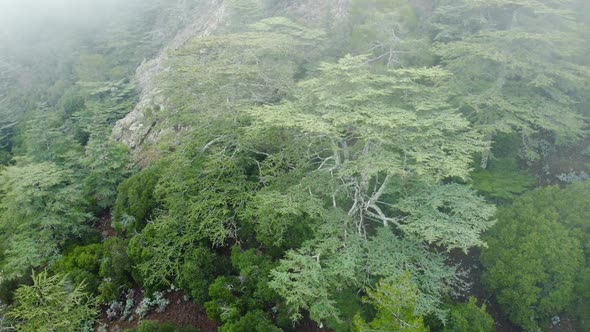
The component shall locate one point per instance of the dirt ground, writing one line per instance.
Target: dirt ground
(180, 312)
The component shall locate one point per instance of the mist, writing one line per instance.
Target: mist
(286, 165)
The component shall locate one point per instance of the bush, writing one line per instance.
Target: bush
(82, 264)
(147, 304)
(115, 269)
(224, 304)
(9, 286)
(152, 326)
(104, 268)
(196, 273)
(468, 317)
(135, 201)
(502, 180)
(255, 321)
(532, 260)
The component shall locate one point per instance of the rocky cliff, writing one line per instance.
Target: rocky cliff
(137, 129)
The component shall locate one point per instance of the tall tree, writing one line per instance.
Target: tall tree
(373, 130)
(515, 67)
(52, 304)
(40, 209)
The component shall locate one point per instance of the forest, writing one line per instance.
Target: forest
(294, 165)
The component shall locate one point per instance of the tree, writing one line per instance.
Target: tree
(196, 273)
(107, 165)
(395, 305)
(388, 30)
(309, 277)
(469, 317)
(440, 214)
(502, 179)
(515, 67)
(371, 130)
(379, 143)
(532, 261)
(41, 208)
(215, 75)
(241, 300)
(51, 304)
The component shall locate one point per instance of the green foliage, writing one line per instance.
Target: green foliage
(224, 305)
(107, 165)
(207, 193)
(9, 286)
(51, 304)
(92, 68)
(515, 66)
(105, 103)
(284, 219)
(237, 299)
(196, 273)
(114, 270)
(156, 253)
(40, 209)
(135, 201)
(453, 208)
(255, 321)
(389, 31)
(384, 112)
(502, 179)
(242, 12)
(72, 101)
(468, 317)
(208, 73)
(395, 305)
(47, 137)
(152, 326)
(309, 277)
(532, 261)
(104, 268)
(331, 176)
(81, 265)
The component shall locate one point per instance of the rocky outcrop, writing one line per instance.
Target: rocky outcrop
(137, 128)
(142, 126)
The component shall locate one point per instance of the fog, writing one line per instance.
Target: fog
(23, 21)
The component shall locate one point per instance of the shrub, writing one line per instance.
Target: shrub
(196, 273)
(532, 260)
(502, 180)
(147, 304)
(115, 269)
(108, 164)
(468, 317)
(81, 264)
(104, 268)
(152, 326)
(255, 321)
(135, 201)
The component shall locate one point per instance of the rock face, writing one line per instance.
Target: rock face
(135, 129)
(138, 130)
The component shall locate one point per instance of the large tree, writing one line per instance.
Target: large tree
(515, 67)
(371, 131)
(378, 145)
